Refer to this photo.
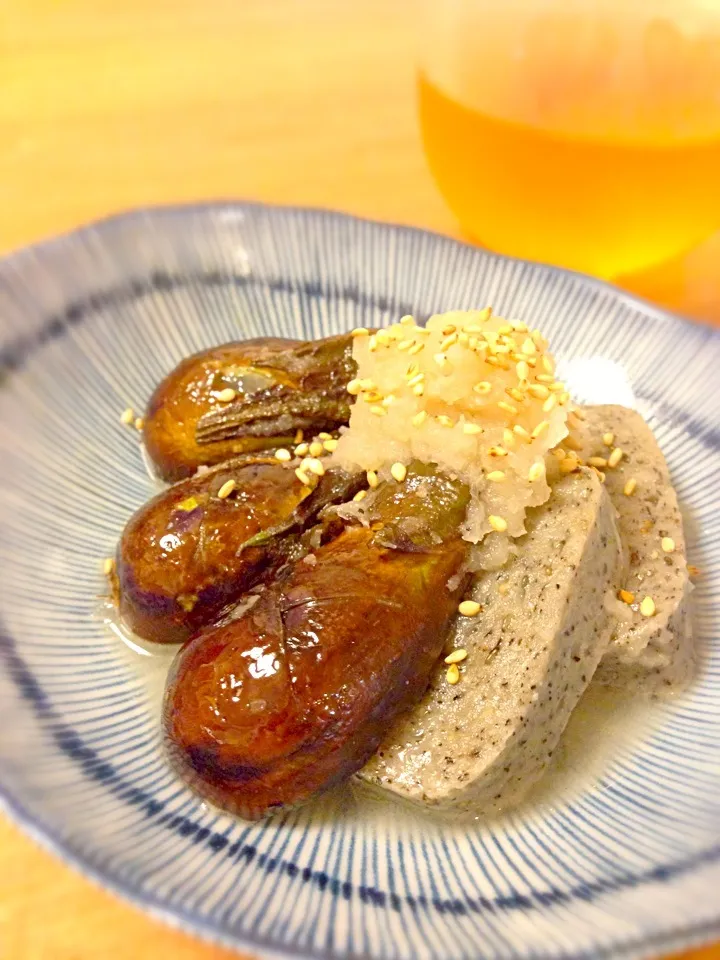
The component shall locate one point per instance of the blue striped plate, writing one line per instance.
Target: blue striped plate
(618, 854)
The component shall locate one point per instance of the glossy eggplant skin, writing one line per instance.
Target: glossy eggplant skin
(281, 386)
(178, 563)
(187, 554)
(297, 693)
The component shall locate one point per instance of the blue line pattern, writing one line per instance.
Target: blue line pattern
(88, 323)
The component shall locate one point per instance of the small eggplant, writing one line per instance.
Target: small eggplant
(275, 388)
(295, 694)
(188, 553)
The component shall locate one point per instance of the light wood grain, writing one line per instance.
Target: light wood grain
(106, 105)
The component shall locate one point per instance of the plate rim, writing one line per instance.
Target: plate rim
(51, 840)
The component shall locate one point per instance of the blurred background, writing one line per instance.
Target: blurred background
(593, 142)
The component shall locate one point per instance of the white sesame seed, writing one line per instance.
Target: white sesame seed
(372, 479)
(474, 328)
(508, 438)
(668, 544)
(226, 489)
(522, 369)
(557, 387)
(536, 471)
(457, 656)
(372, 343)
(445, 421)
(453, 674)
(563, 398)
(629, 488)
(418, 390)
(408, 320)
(301, 449)
(528, 347)
(539, 391)
(360, 495)
(545, 378)
(568, 465)
(521, 432)
(324, 436)
(548, 365)
(472, 429)
(440, 359)
(303, 477)
(388, 400)
(108, 566)
(615, 457)
(405, 345)
(415, 349)
(316, 449)
(515, 393)
(360, 332)
(508, 408)
(549, 403)
(498, 452)
(139, 423)
(353, 388)
(482, 388)
(398, 471)
(559, 453)
(316, 466)
(608, 439)
(495, 476)
(597, 461)
(448, 342)
(283, 455)
(127, 416)
(418, 378)
(540, 429)
(225, 396)
(647, 607)
(383, 338)
(497, 523)
(419, 418)
(330, 445)
(367, 384)
(469, 608)
(378, 411)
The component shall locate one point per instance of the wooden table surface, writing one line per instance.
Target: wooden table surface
(110, 104)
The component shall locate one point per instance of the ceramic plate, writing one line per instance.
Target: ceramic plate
(616, 854)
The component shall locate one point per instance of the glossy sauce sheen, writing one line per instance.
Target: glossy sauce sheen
(187, 393)
(279, 386)
(178, 563)
(297, 693)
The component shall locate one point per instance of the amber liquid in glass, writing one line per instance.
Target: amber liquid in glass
(607, 206)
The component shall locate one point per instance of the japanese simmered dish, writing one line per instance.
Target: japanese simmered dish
(400, 555)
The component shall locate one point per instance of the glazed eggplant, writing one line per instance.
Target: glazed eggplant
(295, 694)
(274, 386)
(189, 552)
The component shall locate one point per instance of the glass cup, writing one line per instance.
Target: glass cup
(584, 133)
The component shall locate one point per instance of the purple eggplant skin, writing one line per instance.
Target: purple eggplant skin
(295, 694)
(188, 553)
(280, 386)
